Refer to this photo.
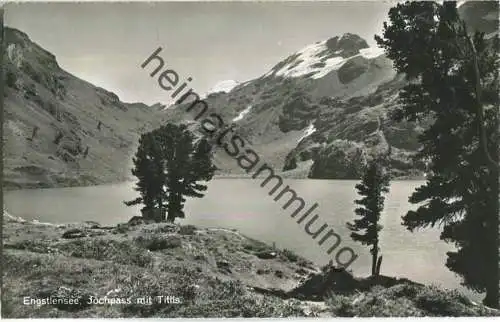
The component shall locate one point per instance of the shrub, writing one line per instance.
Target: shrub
(441, 303)
(122, 228)
(8, 304)
(289, 255)
(255, 246)
(158, 242)
(122, 252)
(187, 230)
(341, 305)
(11, 79)
(30, 91)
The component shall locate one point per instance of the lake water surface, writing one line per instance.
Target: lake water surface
(244, 205)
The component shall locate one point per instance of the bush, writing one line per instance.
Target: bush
(11, 79)
(289, 255)
(30, 91)
(158, 242)
(255, 246)
(8, 304)
(341, 305)
(187, 230)
(441, 303)
(122, 228)
(231, 299)
(122, 252)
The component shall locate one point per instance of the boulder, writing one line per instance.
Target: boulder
(136, 220)
(224, 265)
(279, 274)
(74, 233)
(267, 255)
(331, 279)
(92, 224)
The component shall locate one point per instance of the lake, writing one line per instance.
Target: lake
(244, 205)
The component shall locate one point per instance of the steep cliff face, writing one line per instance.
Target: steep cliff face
(60, 130)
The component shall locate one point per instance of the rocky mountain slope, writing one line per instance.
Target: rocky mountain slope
(323, 111)
(60, 130)
(320, 113)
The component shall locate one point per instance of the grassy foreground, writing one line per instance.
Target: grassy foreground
(199, 273)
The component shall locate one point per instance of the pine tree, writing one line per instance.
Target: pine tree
(373, 186)
(453, 80)
(169, 165)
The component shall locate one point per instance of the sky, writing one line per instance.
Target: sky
(105, 43)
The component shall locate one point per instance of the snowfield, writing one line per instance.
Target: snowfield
(308, 60)
(313, 59)
(308, 131)
(242, 114)
(372, 52)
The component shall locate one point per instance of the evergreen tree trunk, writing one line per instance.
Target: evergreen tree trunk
(174, 206)
(374, 258)
(379, 264)
(492, 298)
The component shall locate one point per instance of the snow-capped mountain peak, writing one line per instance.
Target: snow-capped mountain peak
(321, 58)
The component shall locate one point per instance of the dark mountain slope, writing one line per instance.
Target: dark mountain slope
(60, 130)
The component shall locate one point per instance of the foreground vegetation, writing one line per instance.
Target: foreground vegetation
(214, 273)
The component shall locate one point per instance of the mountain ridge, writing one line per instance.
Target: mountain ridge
(322, 113)
(60, 130)
(329, 100)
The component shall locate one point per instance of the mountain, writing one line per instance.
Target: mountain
(320, 113)
(323, 111)
(60, 130)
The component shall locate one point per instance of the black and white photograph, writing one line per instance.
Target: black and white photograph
(250, 159)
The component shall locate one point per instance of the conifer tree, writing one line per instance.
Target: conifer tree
(169, 166)
(373, 186)
(453, 81)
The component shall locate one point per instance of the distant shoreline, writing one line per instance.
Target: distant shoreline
(10, 186)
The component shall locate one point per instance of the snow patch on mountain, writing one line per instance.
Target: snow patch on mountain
(224, 86)
(307, 132)
(317, 61)
(311, 59)
(372, 52)
(242, 114)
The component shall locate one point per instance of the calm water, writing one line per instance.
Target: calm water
(244, 205)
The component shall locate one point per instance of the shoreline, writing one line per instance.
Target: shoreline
(37, 186)
(92, 223)
(214, 259)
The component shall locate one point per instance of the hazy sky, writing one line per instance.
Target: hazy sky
(105, 43)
